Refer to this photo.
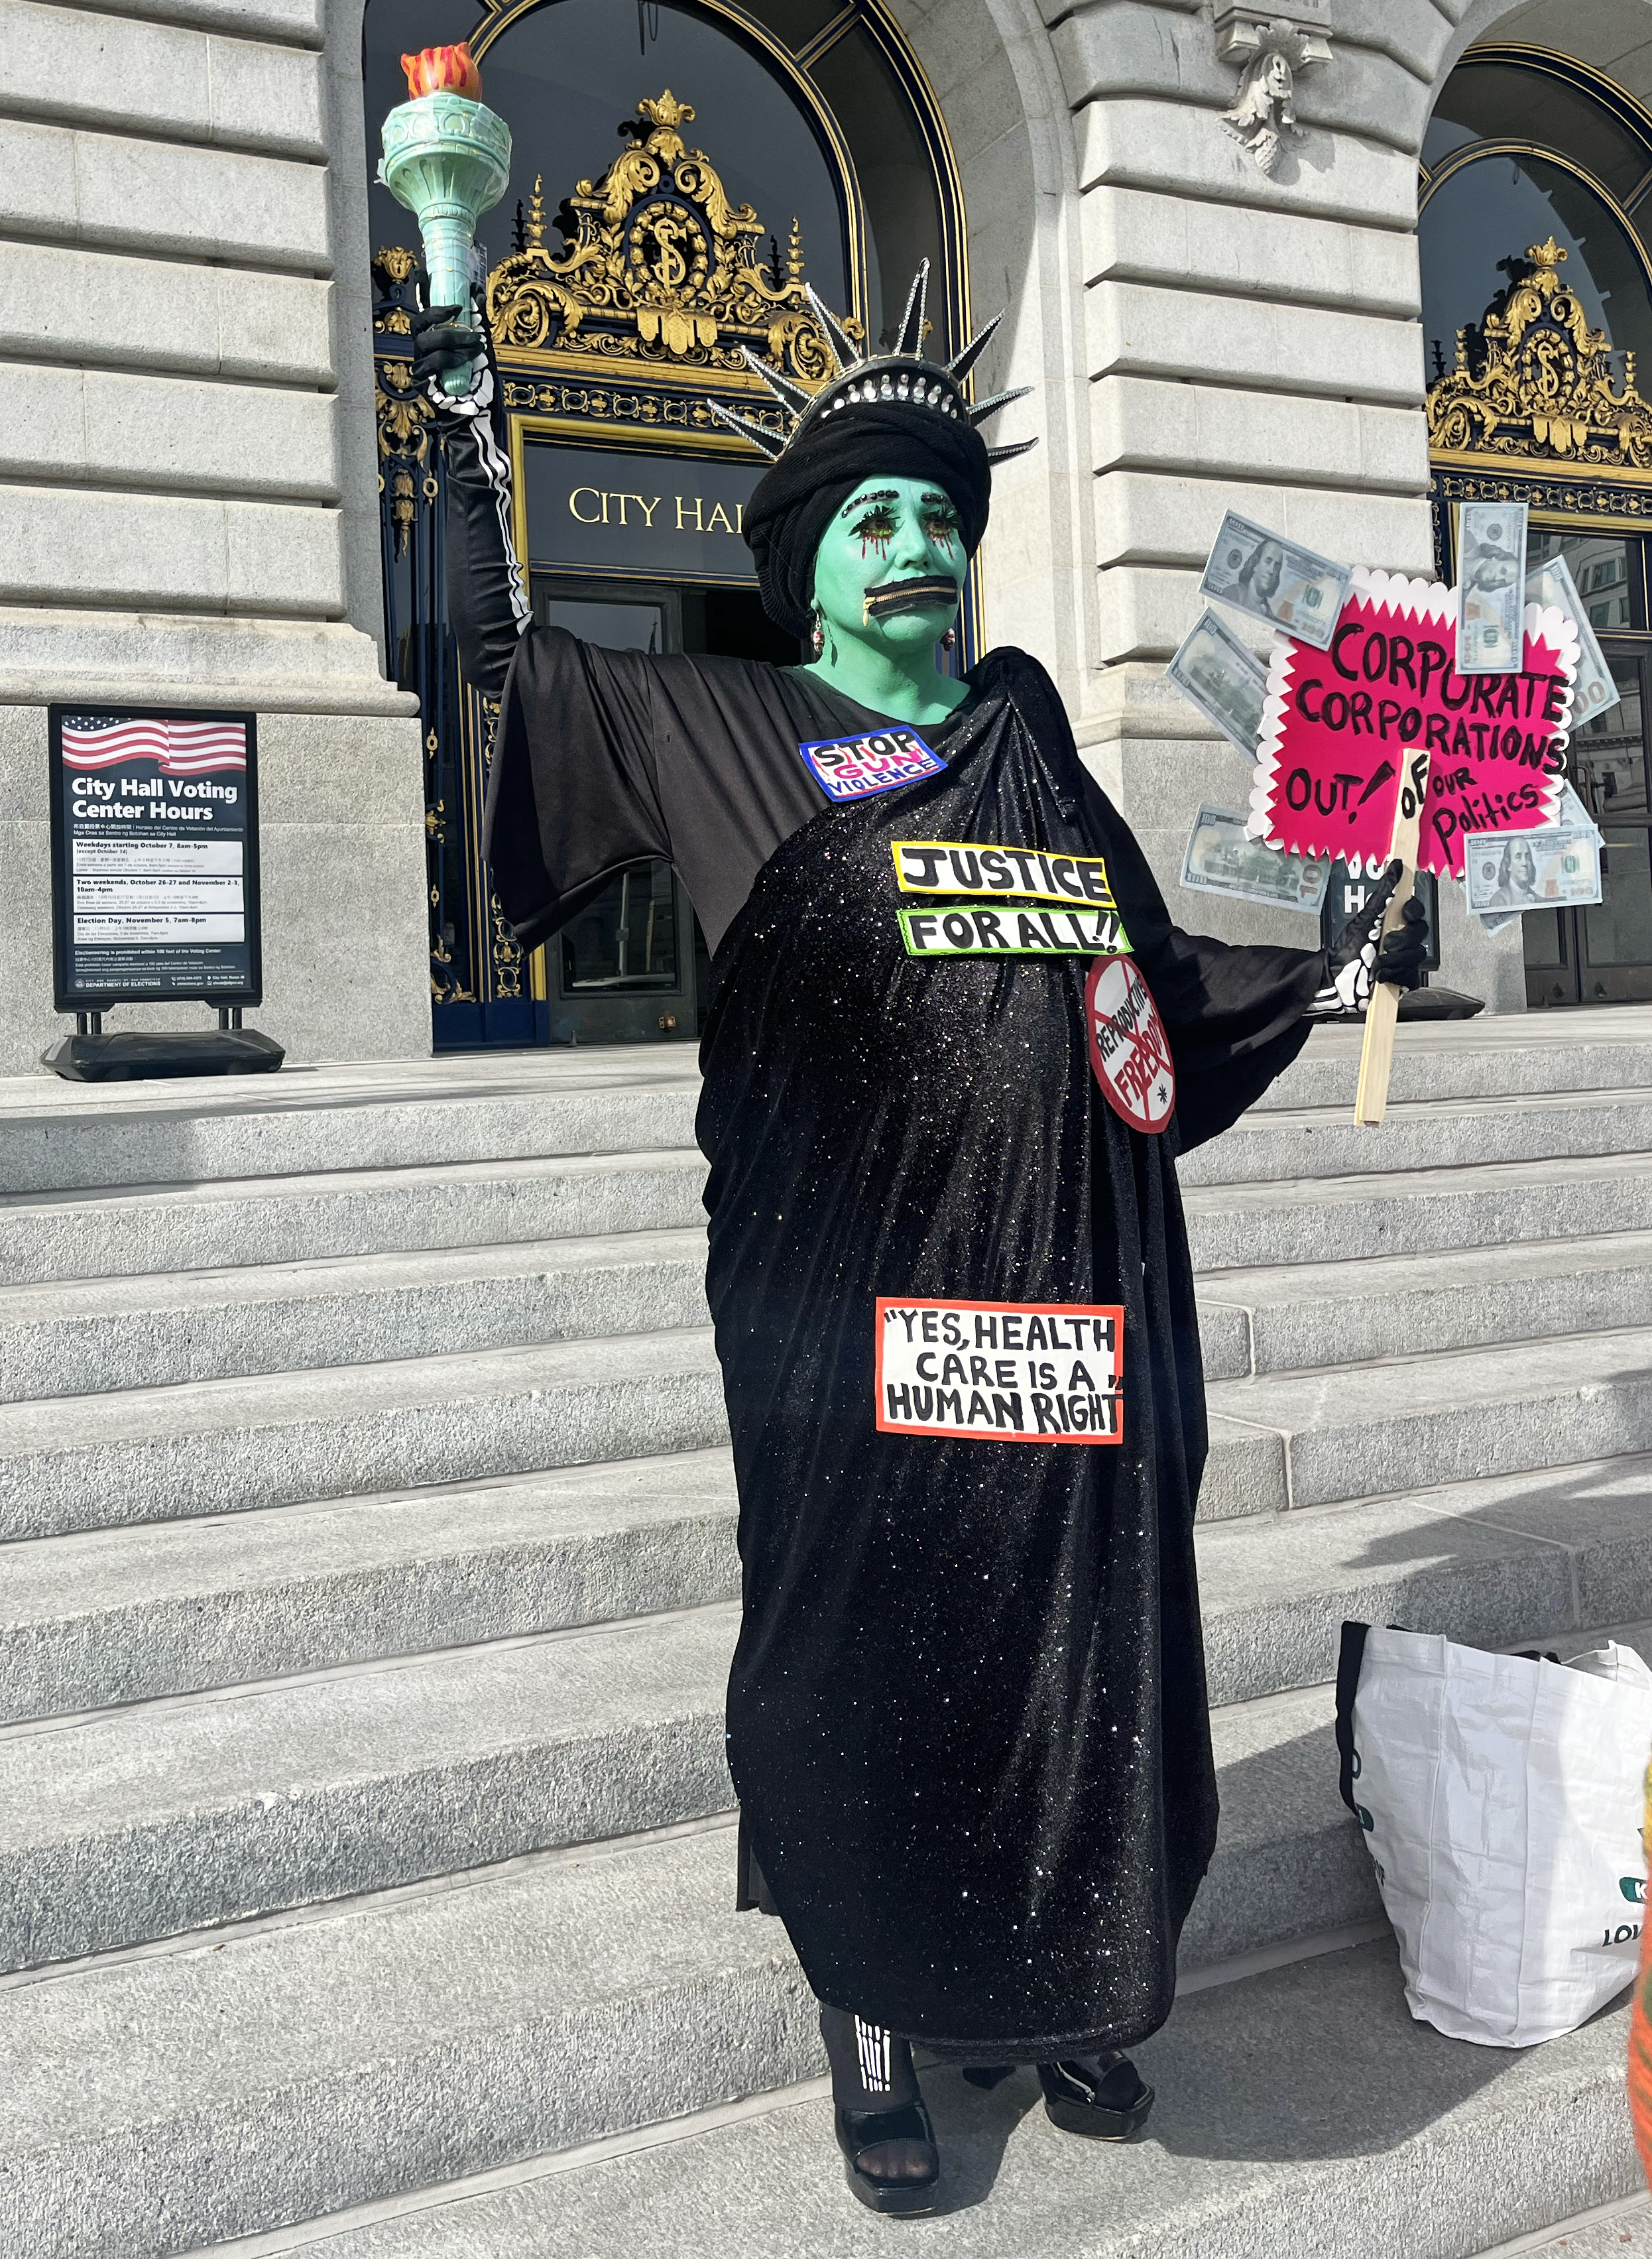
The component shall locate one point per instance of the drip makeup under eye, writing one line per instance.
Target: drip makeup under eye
(875, 531)
(940, 522)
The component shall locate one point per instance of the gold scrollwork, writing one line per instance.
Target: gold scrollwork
(658, 264)
(1537, 382)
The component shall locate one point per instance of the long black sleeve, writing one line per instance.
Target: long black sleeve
(1235, 1016)
(486, 602)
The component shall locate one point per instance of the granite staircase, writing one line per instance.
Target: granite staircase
(367, 1586)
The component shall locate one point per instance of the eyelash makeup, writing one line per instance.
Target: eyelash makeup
(876, 531)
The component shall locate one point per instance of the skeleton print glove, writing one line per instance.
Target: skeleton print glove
(1354, 966)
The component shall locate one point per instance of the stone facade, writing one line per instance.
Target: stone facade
(187, 508)
(188, 476)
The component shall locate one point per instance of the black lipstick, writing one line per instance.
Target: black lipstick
(925, 595)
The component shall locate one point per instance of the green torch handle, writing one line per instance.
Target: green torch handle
(448, 160)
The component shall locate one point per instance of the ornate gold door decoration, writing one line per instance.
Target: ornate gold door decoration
(1542, 387)
(658, 267)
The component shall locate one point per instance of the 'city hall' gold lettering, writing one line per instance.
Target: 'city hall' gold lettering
(600, 506)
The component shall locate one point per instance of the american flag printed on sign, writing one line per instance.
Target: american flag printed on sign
(98, 741)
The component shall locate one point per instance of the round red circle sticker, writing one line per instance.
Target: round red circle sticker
(1130, 1051)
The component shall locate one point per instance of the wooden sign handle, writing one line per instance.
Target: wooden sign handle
(1376, 1054)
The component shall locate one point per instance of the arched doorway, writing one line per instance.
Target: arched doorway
(1537, 318)
(681, 169)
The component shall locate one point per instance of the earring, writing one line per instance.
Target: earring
(817, 636)
(950, 639)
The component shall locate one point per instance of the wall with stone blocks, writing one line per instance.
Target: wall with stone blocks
(1228, 340)
(188, 491)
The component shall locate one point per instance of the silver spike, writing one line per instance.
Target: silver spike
(1004, 454)
(791, 397)
(910, 340)
(843, 348)
(973, 351)
(771, 442)
(999, 400)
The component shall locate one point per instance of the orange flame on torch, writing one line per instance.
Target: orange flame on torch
(444, 70)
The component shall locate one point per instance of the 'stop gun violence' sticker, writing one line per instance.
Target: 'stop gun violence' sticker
(980, 866)
(853, 768)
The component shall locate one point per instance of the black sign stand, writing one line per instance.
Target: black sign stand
(155, 887)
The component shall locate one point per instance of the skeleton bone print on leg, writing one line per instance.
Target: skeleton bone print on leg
(1129, 1050)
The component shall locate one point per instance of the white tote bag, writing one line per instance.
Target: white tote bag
(1500, 1797)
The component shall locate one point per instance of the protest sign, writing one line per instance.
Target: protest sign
(1015, 1372)
(1327, 775)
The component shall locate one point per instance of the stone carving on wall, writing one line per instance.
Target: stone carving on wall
(1272, 55)
(1532, 379)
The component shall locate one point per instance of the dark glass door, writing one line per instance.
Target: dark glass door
(622, 970)
(1603, 954)
(633, 966)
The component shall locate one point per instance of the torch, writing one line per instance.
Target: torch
(446, 158)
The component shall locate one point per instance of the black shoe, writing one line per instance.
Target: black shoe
(1102, 2096)
(890, 2159)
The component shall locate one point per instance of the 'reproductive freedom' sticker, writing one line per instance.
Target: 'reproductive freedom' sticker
(989, 929)
(1012, 1372)
(853, 768)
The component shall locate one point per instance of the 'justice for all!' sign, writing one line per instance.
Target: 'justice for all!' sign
(1336, 722)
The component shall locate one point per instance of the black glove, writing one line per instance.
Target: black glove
(440, 344)
(1353, 963)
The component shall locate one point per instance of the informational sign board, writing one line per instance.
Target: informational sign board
(154, 858)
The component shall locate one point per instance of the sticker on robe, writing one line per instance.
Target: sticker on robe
(1007, 1372)
(981, 867)
(1130, 1051)
(853, 768)
(997, 929)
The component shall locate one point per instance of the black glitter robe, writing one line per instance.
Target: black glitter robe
(967, 1715)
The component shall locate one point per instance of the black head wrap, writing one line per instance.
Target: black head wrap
(793, 502)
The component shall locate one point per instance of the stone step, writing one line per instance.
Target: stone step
(1419, 1212)
(1365, 1431)
(168, 2102)
(1266, 1146)
(172, 2101)
(1595, 1050)
(110, 1616)
(170, 1815)
(1288, 1318)
(91, 1336)
(167, 1818)
(125, 1234)
(106, 1617)
(625, 1098)
(87, 1336)
(1279, 1440)
(212, 1447)
(1300, 2112)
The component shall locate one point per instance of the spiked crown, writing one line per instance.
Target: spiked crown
(905, 376)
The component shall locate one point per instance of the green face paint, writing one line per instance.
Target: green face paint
(887, 576)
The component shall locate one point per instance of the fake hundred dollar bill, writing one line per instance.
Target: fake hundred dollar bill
(1594, 689)
(1572, 815)
(1220, 860)
(1555, 868)
(1275, 580)
(1228, 683)
(1490, 588)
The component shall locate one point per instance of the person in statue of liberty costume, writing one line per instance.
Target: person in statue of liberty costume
(967, 1719)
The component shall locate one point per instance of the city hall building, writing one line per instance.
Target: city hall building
(1340, 269)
